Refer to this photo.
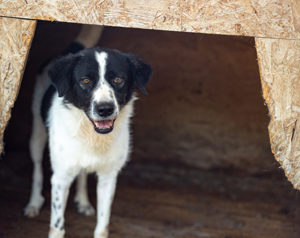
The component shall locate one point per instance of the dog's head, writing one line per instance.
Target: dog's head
(100, 82)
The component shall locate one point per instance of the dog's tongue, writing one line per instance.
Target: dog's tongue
(104, 124)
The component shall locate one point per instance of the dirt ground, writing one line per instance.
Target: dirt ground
(170, 201)
(201, 164)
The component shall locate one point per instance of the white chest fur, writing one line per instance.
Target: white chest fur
(75, 145)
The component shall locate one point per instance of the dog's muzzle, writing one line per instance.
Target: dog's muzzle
(105, 113)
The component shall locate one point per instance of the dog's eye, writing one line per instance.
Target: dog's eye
(118, 80)
(85, 80)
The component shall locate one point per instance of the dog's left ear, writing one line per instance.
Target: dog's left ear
(61, 73)
(141, 71)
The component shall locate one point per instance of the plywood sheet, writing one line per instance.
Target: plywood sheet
(279, 62)
(15, 40)
(267, 18)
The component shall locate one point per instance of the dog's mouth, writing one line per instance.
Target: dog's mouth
(104, 126)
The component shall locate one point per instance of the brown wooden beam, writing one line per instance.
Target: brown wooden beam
(15, 40)
(269, 18)
(279, 63)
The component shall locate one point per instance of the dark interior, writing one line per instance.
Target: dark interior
(201, 164)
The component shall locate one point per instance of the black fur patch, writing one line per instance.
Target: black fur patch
(57, 222)
(73, 48)
(54, 206)
(46, 102)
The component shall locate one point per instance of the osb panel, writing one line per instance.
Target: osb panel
(268, 18)
(279, 62)
(15, 40)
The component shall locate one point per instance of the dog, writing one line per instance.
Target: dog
(84, 100)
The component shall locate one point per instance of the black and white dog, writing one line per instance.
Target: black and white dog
(86, 100)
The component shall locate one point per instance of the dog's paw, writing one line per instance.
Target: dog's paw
(55, 233)
(31, 211)
(85, 209)
(101, 234)
(33, 208)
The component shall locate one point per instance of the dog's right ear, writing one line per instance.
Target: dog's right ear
(142, 72)
(61, 73)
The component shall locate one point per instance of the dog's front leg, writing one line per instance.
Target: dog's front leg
(59, 194)
(105, 193)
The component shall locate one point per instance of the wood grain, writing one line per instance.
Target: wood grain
(279, 62)
(268, 18)
(15, 40)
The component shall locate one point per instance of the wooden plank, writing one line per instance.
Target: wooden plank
(268, 18)
(15, 40)
(279, 62)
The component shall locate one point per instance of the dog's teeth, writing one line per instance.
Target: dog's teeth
(104, 124)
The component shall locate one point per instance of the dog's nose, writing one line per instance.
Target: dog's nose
(105, 109)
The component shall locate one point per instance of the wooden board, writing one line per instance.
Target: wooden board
(279, 62)
(269, 18)
(15, 40)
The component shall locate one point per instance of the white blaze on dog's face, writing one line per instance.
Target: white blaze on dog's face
(100, 82)
(104, 106)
